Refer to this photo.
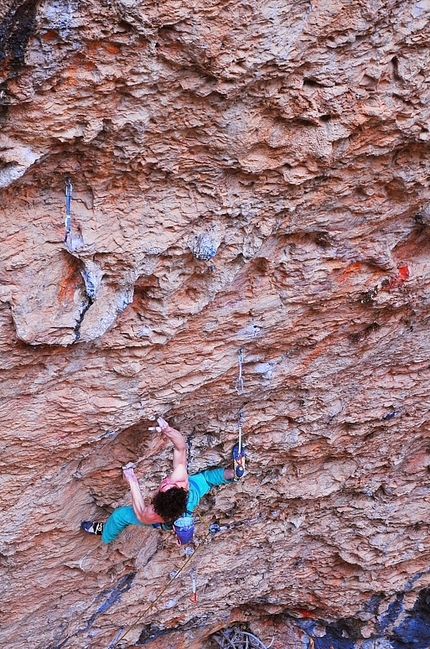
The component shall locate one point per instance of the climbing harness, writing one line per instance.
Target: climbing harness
(239, 387)
(68, 219)
(193, 575)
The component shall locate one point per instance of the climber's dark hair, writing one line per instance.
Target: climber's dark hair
(170, 504)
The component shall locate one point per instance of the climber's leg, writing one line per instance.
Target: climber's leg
(117, 522)
(215, 477)
(201, 483)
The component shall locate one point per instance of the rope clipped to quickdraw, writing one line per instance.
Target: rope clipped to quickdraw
(240, 420)
(238, 450)
(68, 219)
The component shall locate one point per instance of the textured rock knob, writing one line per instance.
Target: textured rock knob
(204, 246)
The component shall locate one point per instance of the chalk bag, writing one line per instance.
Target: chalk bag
(184, 528)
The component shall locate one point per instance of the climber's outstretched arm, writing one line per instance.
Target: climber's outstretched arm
(144, 513)
(178, 441)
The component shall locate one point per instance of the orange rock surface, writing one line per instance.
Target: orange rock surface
(246, 175)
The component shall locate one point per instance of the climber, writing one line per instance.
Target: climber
(177, 494)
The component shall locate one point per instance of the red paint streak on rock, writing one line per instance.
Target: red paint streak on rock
(400, 278)
(351, 268)
(304, 613)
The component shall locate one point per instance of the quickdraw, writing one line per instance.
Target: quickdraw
(193, 575)
(238, 451)
(214, 528)
(239, 386)
(68, 219)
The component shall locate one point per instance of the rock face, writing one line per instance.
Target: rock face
(245, 176)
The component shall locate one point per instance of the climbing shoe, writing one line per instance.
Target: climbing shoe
(92, 527)
(238, 461)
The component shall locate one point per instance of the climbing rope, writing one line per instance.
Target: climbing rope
(163, 590)
(240, 420)
(212, 529)
(238, 454)
(68, 219)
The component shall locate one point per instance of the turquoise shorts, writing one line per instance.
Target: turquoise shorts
(200, 484)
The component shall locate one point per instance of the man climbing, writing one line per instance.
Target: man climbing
(177, 494)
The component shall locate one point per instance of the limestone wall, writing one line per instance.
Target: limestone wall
(246, 175)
